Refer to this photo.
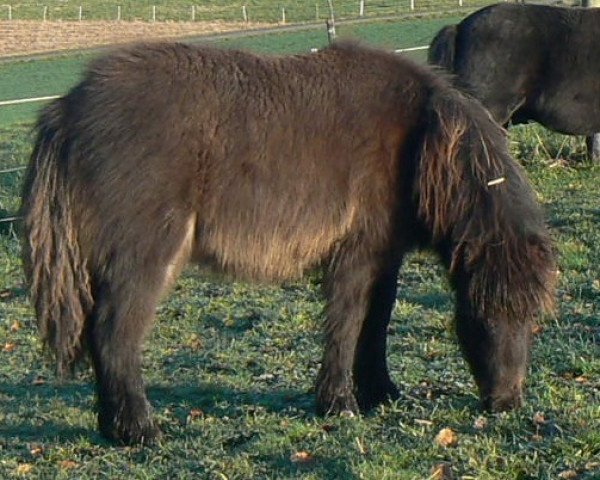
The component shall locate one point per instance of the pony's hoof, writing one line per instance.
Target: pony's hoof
(132, 435)
(131, 424)
(370, 396)
(343, 405)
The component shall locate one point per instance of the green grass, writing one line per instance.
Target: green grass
(256, 10)
(230, 367)
(54, 75)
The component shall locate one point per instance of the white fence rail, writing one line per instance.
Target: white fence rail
(20, 101)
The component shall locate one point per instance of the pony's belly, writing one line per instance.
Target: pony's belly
(268, 252)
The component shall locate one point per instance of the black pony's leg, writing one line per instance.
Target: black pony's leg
(350, 284)
(371, 376)
(496, 349)
(122, 316)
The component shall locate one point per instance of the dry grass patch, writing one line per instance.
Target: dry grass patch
(23, 37)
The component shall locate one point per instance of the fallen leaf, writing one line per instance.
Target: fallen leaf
(301, 457)
(36, 450)
(539, 418)
(194, 342)
(39, 381)
(582, 379)
(442, 471)
(23, 469)
(480, 423)
(5, 294)
(67, 464)
(446, 437)
(9, 347)
(568, 474)
(536, 438)
(329, 428)
(592, 465)
(194, 414)
(15, 327)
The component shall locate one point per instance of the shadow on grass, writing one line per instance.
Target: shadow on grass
(218, 401)
(28, 424)
(318, 466)
(37, 403)
(440, 301)
(48, 432)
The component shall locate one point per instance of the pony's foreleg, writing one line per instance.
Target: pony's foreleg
(349, 293)
(123, 315)
(371, 375)
(497, 351)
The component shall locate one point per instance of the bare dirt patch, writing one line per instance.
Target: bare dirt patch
(22, 37)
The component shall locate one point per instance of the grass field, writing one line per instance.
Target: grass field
(56, 74)
(230, 367)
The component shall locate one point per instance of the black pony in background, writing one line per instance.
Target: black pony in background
(528, 62)
(264, 168)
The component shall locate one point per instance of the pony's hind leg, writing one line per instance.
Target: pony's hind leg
(373, 385)
(120, 320)
(126, 293)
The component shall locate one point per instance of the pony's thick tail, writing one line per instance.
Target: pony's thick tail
(441, 49)
(475, 198)
(56, 273)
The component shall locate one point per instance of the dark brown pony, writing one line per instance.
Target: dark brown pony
(528, 63)
(263, 168)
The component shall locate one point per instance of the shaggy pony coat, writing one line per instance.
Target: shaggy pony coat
(528, 62)
(264, 168)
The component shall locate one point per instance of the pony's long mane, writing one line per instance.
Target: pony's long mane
(472, 194)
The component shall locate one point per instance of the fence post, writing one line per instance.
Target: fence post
(361, 8)
(593, 141)
(460, 3)
(80, 13)
(316, 12)
(412, 4)
(283, 15)
(45, 13)
(153, 13)
(244, 13)
(331, 23)
(193, 13)
(9, 12)
(118, 13)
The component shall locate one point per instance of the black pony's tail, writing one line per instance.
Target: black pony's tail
(475, 197)
(56, 273)
(441, 49)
